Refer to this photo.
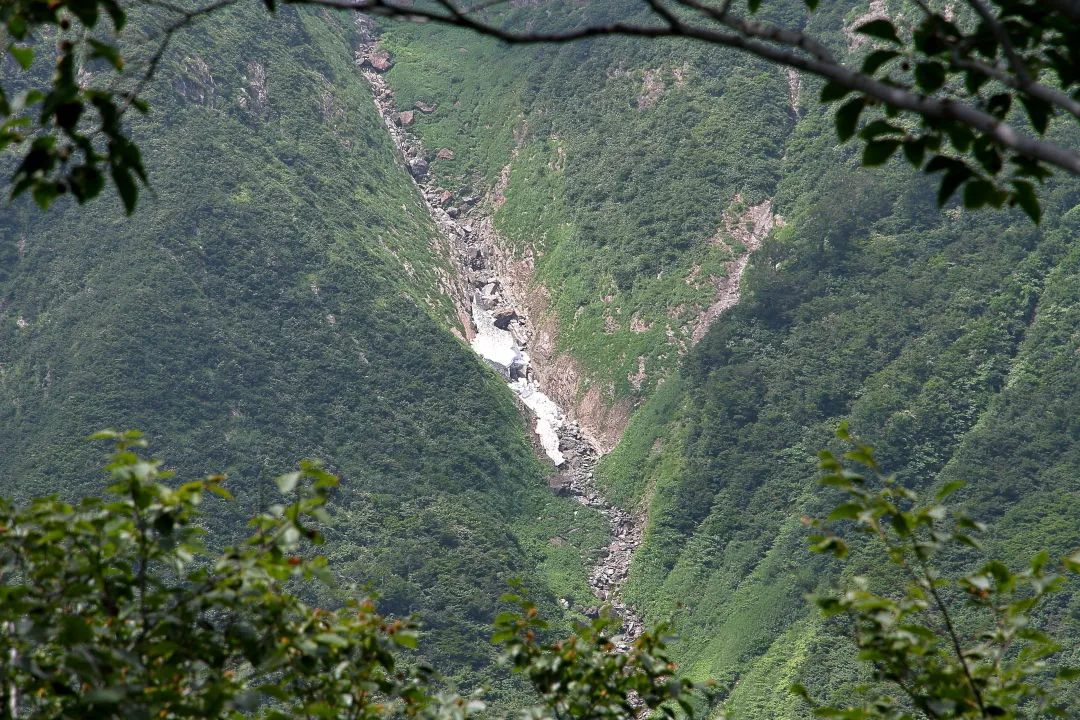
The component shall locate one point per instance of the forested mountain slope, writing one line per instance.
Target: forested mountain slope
(286, 295)
(279, 297)
(945, 338)
(628, 174)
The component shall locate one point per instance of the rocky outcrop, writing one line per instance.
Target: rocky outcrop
(375, 58)
(749, 227)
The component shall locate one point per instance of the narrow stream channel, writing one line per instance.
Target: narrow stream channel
(500, 336)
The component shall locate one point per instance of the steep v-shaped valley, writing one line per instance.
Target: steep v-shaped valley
(581, 315)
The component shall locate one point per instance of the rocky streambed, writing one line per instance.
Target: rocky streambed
(500, 334)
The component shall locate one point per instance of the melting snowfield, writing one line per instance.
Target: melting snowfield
(500, 350)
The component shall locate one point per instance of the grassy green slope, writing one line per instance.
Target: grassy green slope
(943, 338)
(278, 298)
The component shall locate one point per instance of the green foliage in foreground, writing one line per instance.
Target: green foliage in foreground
(277, 297)
(114, 608)
(995, 664)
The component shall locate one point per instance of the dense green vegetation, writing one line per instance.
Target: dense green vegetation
(929, 333)
(944, 338)
(115, 607)
(278, 298)
(624, 236)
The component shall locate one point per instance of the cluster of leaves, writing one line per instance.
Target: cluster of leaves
(584, 677)
(70, 135)
(991, 60)
(115, 608)
(993, 665)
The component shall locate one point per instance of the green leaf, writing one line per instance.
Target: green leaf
(107, 52)
(86, 182)
(1024, 195)
(23, 55)
(876, 59)
(878, 152)
(948, 489)
(998, 105)
(126, 188)
(882, 29)
(846, 511)
(833, 91)
(103, 696)
(878, 128)
(287, 482)
(929, 76)
(978, 193)
(406, 639)
(1039, 111)
(220, 491)
(275, 691)
(847, 118)
(953, 179)
(74, 630)
(44, 193)
(332, 639)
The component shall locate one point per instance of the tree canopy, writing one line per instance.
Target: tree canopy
(116, 607)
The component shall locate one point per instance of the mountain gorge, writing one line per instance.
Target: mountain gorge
(580, 314)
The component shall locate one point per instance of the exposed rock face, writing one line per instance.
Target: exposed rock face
(424, 107)
(445, 154)
(877, 11)
(377, 59)
(750, 228)
(195, 82)
(503, 317)
(404, 119)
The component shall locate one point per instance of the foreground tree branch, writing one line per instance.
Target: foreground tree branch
(944, 92)
(971, 97)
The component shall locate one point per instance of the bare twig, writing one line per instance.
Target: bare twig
(1036, 90)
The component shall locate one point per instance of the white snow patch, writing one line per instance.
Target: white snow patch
(549, 418)
(501, 351)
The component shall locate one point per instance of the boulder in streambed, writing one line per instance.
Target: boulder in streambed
(418, 168)
(378, 60)
(504, 316)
